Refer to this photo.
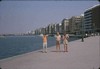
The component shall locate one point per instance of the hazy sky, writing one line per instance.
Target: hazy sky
(23, 16)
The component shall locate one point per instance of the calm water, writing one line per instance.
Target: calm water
(15, 45)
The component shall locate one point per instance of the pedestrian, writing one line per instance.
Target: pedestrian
(58, 38)
(45, 43)
(65, 42)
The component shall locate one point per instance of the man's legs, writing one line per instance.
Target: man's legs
(58, 46)
(65, 48)
(44, 47)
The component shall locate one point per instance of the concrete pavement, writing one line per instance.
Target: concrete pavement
(81, 55)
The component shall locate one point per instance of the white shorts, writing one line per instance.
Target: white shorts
(65, 42)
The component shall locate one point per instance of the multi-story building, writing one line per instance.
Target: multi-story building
(38, 31)
(43, 30)
(75, 24)
(32, 32)
(59, 28)
(53, 29)
(46, 30)
(92, 20)
(65, 25)
(49, 29)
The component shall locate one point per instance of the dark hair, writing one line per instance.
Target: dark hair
(44, 34)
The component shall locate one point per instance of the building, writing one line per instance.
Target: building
(65, 25)
(49, 29)
(43, 30)
(38, 31)
(75, 24)
(59, 27)
(92, 20)
(46, 30)
(53, 27)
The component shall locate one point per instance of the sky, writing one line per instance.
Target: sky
(23, 16)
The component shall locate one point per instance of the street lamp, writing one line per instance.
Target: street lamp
(99, 45)
(82, 27)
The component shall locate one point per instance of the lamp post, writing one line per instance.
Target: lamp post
(82, 35)
(99, 46)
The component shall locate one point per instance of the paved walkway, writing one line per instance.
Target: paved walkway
(81, 55)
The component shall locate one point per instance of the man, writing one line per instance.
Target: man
(58, 38)
(45, 43)
(65, 42)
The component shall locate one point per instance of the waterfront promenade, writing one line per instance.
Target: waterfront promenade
(80, 55)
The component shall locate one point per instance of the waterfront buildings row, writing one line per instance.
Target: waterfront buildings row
(89, 23)
(72, 25)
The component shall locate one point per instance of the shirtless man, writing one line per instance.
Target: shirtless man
(58, 37)
(45, 43)
(65, 42)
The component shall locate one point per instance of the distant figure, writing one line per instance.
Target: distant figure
(58, 37)
(65, 42)
(45, 43)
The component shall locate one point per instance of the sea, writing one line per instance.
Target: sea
(16, 45)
